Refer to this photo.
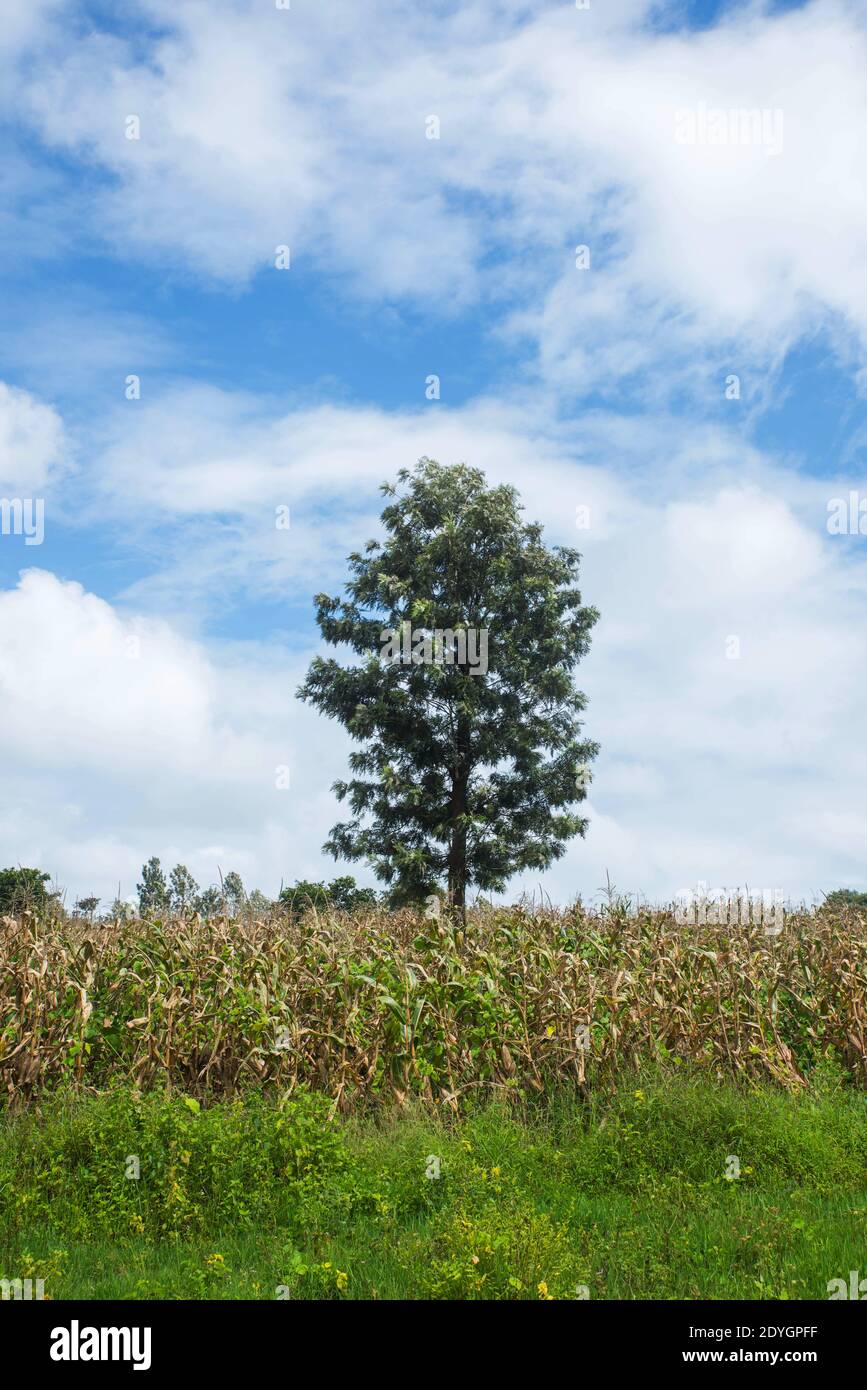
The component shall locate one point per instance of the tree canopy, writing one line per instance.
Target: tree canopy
(23, 888)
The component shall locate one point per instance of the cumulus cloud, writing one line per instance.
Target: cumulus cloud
(122, 737)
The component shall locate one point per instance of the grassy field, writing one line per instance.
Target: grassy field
(623, 1198)
(539, 1106)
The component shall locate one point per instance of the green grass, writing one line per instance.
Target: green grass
(626, 1196)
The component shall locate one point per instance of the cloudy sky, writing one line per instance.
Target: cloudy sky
(683, 399)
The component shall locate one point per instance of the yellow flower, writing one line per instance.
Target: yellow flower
(544, 1295)
(342, 1279)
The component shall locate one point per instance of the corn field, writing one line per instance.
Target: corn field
(389, 1005)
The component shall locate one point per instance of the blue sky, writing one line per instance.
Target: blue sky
(151, 645)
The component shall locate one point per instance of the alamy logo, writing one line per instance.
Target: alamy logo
(22, 1290)
(23, 516)
(847, 516)
(740, 125)
(856, 1289)
(420, 646)
(700, 907)
(76, 1343)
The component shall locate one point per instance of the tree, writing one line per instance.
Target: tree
(88, 906)
(341, 893)
(846, 897)
(209, 902)
(153, 895)
(182, 888)
(120, 910)
(346, 896)
(24, 888)
(233, 893)
(468, 629)
(303, 895)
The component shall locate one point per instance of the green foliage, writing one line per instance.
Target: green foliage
(846, 897)
(230, 1165)
(209, 902)
(345, 896)
(153, 893)
(120, 911)
(24, 888)
(341, 893)
(303, 895)
(87, 905)
(464, 776)
(233, 893)
(624, 1198)
(183, 888)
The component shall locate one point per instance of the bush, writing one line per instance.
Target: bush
(157, 1166)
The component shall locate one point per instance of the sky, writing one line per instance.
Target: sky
(237, 240)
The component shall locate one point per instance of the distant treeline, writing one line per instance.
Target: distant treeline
(22, 889)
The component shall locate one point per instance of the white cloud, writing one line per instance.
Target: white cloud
(121, 738)
(197, 473)
(261, 127)
(24, 25)
(735, 546)
(32, 443)
(80, 686)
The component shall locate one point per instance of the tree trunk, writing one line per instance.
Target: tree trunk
(458, 857)
(458, 845)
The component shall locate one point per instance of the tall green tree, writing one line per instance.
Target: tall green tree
(183, 888)
(467, 629)
(153, 893)
(233, 893)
